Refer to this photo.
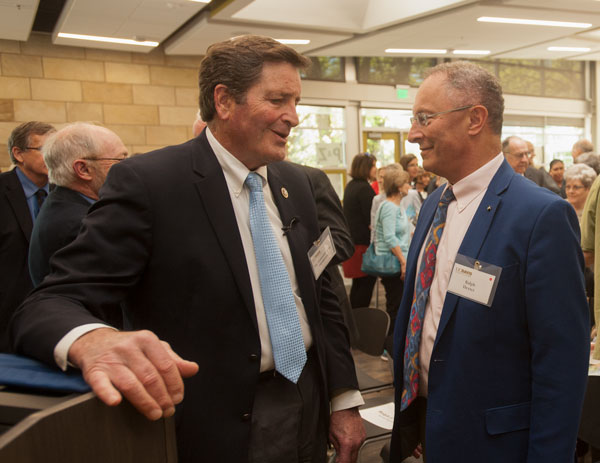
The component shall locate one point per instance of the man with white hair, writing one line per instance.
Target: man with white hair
(78, 159)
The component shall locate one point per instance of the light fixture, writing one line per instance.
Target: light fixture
(294, 41)
(471, 52)
(94, 38)
(426, 51)
(200, 1)
(533, 22)
(584, 49)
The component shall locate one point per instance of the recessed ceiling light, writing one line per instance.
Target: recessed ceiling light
(533, 22)
(200, 1)
(471, 52)
(294, 41)
(568, 49)
(94, 38)
(417, 51)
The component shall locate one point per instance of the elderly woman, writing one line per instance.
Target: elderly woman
(358, 197)
(410, 164)
(392, 235)
(578, 180)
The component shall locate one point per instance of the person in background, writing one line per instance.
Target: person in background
(589, 159)
(78, 157)
(486, 373)
(380, 198)
(578, 181)
(421, 183)
(358, 198)
(377, 184)
(557, 172)
(580, 147)
(410, 164)
(392, 235)
(22, 193)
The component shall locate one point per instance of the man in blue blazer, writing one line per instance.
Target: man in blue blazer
(495, 368)
(171, 239)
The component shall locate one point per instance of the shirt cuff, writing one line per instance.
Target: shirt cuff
(61, 351)
(344, 399)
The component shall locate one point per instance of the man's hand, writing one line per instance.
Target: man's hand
(346, 433)
(136, 364)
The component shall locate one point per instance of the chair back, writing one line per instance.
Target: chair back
(372, 327)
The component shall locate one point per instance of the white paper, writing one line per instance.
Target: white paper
(471, 284)
(381, 416)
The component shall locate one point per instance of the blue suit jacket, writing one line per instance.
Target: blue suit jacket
(506, 382)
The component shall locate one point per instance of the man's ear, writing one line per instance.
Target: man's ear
(82, 170)
(478, 116)
(17, 154)
(223, 102)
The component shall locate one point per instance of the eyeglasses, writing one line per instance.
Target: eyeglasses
(522, 155)
(422, 119)
(103, 159)
(574, 187)
(36, 148)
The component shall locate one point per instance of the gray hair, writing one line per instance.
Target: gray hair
(585, 174)
(471, 84)
(62, 148)
(393, 179)
(589, 159)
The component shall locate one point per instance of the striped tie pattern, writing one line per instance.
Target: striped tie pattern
(417, 310)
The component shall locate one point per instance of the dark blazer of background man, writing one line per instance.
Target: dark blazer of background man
(17, 211)
(164, 239)
(78, 158)
(505, 381)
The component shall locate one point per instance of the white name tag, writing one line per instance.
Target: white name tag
(474, 280)
(321, 253)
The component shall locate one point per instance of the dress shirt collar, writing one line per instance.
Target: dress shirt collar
(29, 187)
(234, 170)
(470, 187)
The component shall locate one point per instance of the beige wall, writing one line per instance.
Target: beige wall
(149, 99)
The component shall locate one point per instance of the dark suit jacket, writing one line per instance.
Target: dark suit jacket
(358, 197)
(542, 178)
(506, 382)
(164, 239)
(56, 225)
(15, 231)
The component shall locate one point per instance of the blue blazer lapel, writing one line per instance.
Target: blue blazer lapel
(478, 232)
(214, 195)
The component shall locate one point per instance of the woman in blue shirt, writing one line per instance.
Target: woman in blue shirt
(392, 235)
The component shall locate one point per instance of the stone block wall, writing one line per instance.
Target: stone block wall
(149, 99)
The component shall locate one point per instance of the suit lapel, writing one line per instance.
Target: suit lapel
(478, 232)
(16, 198)
(214, 194)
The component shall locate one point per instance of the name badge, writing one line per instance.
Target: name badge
(321, 253)
(474, 280)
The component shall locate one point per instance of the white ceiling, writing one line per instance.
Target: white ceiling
(334, 27)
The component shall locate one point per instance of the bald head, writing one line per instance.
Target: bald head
(80, 155)
(580, 147)
(516, 152)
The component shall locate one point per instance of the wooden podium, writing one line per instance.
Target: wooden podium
(80, 428)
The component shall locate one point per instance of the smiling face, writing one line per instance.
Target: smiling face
(442, 140)
(255, 131)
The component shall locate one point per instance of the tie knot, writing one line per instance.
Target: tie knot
(254, 182)
(447, 197)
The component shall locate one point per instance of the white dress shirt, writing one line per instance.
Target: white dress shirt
(468, 192)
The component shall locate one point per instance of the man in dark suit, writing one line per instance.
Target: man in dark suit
(173, 237)
(491, 344)
(22, 190)
(78, 158)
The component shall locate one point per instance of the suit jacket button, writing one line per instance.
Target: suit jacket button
(253, 357)
(246, 417)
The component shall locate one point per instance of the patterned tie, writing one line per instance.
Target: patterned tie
(417, 310)
(280, 308)
(40, 196)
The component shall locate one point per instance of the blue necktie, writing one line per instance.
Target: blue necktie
(280, 308)
(417, 310)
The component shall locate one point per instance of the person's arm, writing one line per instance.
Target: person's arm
(558, 326)
(115, 242)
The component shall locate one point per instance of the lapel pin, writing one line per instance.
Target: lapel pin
(477, 265)
(284, 193)
(489, 208)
